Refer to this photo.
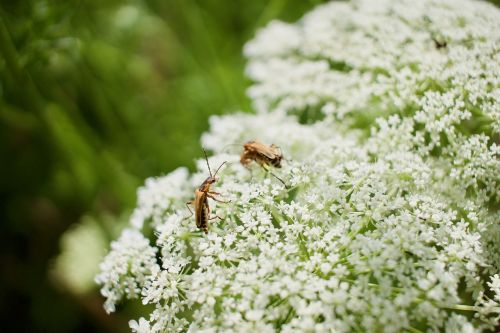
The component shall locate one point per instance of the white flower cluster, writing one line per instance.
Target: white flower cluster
(388, 116)
(126, 269)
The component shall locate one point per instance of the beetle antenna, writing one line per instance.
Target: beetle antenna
(220, 166)
(230, 145)
(206, 159)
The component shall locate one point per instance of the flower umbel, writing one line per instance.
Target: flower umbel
(387, 114)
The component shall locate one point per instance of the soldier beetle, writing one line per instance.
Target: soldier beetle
(201, 195)
(263, 155)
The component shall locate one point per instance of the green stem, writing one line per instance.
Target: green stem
(456, 307)
(463, 307)
(413, 330)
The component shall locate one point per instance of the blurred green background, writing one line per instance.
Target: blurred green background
(95, 96)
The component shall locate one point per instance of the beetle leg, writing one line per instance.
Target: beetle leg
(278, 178)
(216, 199)
(187, 205)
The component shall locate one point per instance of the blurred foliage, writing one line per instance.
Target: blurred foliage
(95, 96)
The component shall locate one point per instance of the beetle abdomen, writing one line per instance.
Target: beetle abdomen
(202, 221)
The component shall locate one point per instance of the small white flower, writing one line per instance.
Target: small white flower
(142, 326)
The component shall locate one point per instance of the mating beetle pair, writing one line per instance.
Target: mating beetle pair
(255, 151)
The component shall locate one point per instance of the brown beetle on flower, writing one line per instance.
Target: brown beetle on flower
(262, 154)
(201, 195)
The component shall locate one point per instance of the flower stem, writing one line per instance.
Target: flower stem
(413, 330)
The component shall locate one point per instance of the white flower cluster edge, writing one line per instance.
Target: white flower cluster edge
(388, 116)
